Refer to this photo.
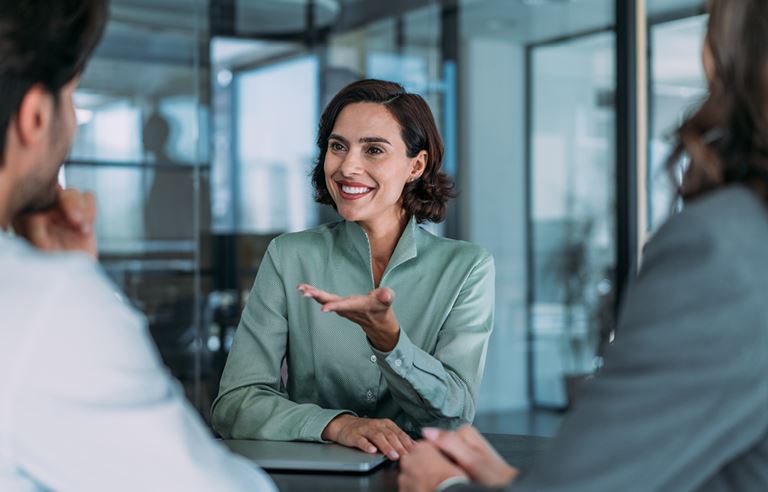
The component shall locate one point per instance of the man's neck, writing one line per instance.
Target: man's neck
(5, 202)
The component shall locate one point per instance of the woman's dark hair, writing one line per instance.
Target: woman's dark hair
(425, 198)
(44, 42)
(726, 138)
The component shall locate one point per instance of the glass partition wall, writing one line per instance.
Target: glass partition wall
(141, 112)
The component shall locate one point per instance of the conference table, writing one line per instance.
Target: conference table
(520, 451)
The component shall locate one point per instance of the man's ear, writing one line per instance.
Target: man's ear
(419, 165)
(34, 116)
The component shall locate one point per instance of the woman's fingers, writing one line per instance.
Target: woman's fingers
(397, 444)
(348, 304)
(365, 445)
(385, 445)
(384, 296)
(318, 295)
(363, 304)
(402, 437)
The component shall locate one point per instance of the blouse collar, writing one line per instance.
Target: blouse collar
(405, 250)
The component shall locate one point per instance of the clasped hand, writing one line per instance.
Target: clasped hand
(443, 455)
(67, 226)
(372, 312)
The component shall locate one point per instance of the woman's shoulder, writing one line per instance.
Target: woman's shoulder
(314, 237)
(454, 249)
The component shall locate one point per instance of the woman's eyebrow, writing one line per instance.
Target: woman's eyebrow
(374, 140)
(336, 136)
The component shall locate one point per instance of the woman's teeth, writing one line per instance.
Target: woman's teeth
(350, 190)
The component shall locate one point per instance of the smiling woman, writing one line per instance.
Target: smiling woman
(404, 317)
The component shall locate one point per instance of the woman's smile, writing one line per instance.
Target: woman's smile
(350, 190)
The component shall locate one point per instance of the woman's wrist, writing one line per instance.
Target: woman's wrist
(385, 337)
(331, 431)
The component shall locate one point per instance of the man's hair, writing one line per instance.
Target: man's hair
(44, 42)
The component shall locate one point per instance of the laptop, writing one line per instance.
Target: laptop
(305, 456)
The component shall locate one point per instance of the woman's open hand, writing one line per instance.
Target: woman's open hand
(372, 312)
(369, 435)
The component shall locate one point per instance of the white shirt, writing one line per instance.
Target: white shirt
(85, 401)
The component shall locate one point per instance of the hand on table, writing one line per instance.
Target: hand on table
(369, 435)
(472, 453)
(68, 226)
(372, 312)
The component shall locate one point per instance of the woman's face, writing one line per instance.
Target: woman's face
(366, 164)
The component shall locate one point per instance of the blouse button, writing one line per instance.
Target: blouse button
(373, 359)
(369, 395)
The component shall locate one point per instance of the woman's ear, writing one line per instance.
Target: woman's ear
(418, 165)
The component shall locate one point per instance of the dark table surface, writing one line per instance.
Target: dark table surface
(519, 451)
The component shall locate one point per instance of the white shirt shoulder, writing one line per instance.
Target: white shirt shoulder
(85, 401)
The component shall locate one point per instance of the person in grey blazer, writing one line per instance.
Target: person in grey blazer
(682, 401)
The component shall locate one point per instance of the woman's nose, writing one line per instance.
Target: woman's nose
(351, 165)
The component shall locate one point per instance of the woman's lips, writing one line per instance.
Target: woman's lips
(353, 191)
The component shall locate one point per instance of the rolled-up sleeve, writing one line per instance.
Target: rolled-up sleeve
(441, 388)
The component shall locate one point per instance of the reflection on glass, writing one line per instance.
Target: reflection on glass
(677, 85)
(572, 207)
(139, 151)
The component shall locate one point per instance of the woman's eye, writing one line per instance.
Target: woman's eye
(336, 146)
(375, 150)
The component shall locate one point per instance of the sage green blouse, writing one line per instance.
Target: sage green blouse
(444, 299)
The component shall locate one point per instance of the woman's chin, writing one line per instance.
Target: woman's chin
(351, 215)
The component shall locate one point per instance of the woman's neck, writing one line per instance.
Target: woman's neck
(383, 236)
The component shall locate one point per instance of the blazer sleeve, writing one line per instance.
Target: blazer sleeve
(683, 392)
(441, 388)
(252, 402)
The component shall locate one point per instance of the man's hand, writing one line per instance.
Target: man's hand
(68, 226)
(424, 468)
(369, 435)
(372, 312)
(472, 453)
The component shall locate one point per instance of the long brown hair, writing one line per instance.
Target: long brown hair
(425, 198)
(726, 138)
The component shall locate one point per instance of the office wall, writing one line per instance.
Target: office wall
(493, 137)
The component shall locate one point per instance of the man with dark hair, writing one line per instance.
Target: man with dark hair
(85, 402)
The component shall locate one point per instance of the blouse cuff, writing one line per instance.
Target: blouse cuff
(400, 359)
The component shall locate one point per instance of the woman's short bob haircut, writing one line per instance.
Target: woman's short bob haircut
(427, 197)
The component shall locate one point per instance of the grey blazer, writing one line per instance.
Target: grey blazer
(682, 401)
